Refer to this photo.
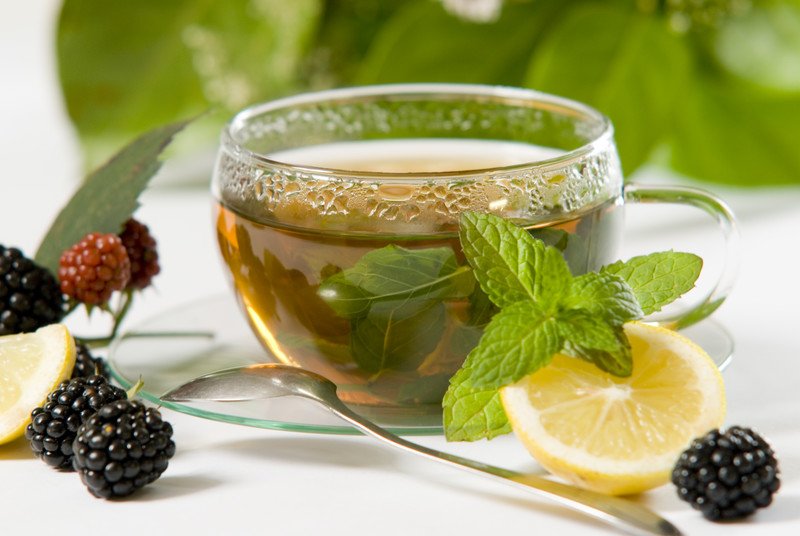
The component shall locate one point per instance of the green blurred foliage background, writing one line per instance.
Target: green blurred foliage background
(708, 88)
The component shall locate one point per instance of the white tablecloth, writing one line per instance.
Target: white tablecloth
(228, 479)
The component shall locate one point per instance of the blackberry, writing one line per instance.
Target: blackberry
(29, 294)
(727, 475)
(86, 364)
(121, 448)
(141, 248)
(91, 270)
(54, 425)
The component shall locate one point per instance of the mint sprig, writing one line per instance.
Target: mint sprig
(545, 310)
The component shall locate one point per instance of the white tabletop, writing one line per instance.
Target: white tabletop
(227, 479)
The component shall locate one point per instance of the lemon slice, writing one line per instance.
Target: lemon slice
(618, 435)
(31, 365)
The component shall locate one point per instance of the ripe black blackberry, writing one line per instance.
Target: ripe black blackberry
(727, 475)
(54, 425)
(86, 364)
(121, 448)
(95, 267)
(29, 295)
(141, 248)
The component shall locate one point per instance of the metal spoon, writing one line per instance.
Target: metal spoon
(273, 380)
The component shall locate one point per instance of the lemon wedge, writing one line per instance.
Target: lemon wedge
(618, 435)
(31, 365)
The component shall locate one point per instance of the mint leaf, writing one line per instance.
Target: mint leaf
(109, 196)
(424, 390)
(510, 265)
(605, 295)
(472, 413)
(592, 338)
(346, 299)
(394, 274)
(397, 335)
(481, 308)
(519, 340)
(394, 298)
(659, 278)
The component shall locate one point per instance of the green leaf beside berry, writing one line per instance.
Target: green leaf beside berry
(109, 196)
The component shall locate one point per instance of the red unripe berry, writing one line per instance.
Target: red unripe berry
(91, 270)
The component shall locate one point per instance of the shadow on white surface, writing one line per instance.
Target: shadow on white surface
(168, 487)
(317, 450)
(519, 500)
(783, 509)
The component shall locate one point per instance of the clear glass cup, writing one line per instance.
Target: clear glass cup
(288, 229)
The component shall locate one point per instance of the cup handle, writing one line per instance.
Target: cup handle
(726, 222)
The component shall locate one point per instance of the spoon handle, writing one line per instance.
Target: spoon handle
(620, 513)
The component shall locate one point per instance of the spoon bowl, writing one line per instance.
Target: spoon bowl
(253, 382)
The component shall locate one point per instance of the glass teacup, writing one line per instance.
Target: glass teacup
(370, 182)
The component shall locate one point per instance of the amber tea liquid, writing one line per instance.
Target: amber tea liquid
(277, 269)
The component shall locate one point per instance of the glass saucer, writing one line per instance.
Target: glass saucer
(211, 334)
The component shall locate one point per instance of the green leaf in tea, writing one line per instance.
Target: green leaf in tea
(481, 308)
(658, 279)
(109, 196)
(397, 335)
(472, 413)
(394, 299)
(394, 273)
(424, 389)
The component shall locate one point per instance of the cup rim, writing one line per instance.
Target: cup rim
(507, 93)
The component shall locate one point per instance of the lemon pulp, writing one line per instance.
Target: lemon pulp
(618, 435)
(31, 365)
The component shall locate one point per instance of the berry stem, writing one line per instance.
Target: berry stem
(172, 334)
(119, 316)
(126, 300)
